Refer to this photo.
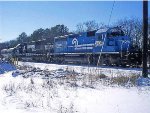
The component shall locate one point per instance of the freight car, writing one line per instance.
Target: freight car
(37, 51)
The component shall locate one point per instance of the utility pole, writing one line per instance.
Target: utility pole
(145, 37)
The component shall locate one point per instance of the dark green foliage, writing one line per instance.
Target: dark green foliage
(57, 30)
(22, 37)
(38, 34)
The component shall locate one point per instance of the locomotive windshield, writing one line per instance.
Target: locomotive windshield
(115, 32)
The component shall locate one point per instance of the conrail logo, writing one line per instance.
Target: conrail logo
(75, 42)
(99, 43)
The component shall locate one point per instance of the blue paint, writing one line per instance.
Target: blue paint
(5, 67)
(103, 40)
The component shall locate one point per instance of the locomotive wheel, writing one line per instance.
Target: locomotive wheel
(118, 61)
(123, 63)
(106, 61)
(112, 61)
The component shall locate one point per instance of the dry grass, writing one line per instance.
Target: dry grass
(124, 80)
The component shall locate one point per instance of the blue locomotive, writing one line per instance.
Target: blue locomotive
(107, 46)
(102, 40)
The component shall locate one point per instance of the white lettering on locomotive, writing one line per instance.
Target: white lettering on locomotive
(99, 43)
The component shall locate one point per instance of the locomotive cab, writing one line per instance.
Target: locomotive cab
(122, 42)
(112, 40)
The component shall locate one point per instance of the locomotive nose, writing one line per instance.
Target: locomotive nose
(124, 43)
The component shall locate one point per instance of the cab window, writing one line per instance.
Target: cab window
(115, 32)
(91, 33)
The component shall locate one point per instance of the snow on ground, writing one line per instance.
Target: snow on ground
(109, 71)
(38, 90)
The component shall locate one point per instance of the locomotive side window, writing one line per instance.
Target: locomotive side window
(91, 33)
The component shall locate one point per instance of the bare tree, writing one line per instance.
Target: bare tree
(89, 26)
(132, 28)
(80, 28)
